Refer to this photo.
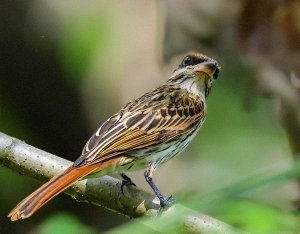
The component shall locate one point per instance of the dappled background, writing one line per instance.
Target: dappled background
(66, 66)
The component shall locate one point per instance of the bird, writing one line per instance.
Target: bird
(144, 134)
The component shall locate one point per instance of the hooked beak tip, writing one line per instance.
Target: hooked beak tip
(207, 67)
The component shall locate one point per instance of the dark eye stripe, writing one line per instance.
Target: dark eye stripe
(187, 61)
(192, 60)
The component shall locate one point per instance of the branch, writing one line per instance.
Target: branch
(105, 191)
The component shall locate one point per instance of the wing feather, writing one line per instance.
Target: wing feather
(160, 116)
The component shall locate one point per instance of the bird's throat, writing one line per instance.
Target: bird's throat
(194, 86)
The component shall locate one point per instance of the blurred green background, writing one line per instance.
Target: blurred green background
(66, 66)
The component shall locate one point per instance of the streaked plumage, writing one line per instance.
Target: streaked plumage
(145, 133)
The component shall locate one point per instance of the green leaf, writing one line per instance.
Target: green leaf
(64, 223)
(81, 39)
(257, 217)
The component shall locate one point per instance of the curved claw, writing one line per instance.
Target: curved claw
(165, 203)
(126, 182)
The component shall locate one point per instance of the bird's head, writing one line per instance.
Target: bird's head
(196, 73)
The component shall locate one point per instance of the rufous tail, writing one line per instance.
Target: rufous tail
(49, 190)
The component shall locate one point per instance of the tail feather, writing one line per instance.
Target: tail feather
(49, 190)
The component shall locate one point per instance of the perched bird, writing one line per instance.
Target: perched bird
(147, 132)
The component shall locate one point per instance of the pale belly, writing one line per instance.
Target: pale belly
(158, 155)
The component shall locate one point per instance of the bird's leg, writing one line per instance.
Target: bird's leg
(163, 201)
(125, 182)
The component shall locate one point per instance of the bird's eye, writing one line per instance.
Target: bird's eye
(187, 61)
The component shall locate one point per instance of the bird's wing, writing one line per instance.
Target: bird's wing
(160, 116)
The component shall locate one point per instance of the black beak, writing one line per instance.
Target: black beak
(210, 64)
(213, 65)
(210, 67)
